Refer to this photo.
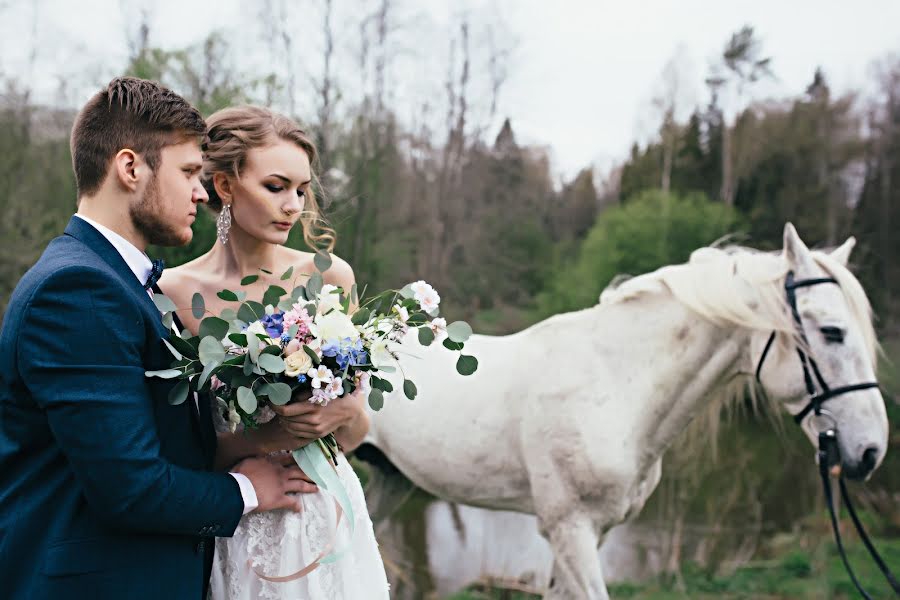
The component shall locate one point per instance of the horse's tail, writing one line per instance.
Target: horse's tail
(387, 488)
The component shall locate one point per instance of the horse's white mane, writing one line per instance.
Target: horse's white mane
(742, 287)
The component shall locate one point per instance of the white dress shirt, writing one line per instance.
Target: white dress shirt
(141, 265)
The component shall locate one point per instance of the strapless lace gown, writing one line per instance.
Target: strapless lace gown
(282, 542)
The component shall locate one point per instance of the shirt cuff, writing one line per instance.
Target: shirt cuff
(247, 492)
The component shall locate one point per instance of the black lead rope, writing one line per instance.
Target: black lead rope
(865, 538)
(829, 451)
(829, 455)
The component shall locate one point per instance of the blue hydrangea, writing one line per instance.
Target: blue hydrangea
(273, 324)
(301, 378)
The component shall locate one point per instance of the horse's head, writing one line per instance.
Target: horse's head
(832, 322)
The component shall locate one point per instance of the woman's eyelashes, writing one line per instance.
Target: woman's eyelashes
(277, 189)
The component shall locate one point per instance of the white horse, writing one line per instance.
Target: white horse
(568, 420)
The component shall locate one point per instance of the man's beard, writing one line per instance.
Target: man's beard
(148, 220)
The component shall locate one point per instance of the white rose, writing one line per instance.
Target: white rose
(334, 326)
(297, 363)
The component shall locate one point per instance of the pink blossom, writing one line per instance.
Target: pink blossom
(320, 397)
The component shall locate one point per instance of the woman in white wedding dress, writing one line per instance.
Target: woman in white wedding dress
(258, 174)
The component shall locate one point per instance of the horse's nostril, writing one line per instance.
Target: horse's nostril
(869, 458)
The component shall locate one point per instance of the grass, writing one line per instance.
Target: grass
(795, 575)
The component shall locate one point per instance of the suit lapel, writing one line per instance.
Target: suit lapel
(88, 235)
(84, 232)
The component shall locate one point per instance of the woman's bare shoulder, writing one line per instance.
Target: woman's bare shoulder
(184, 279)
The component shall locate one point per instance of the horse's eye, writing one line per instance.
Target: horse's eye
(833, 335)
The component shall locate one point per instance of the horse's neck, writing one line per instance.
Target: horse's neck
(678, 361)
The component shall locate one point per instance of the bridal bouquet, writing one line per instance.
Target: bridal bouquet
(317, 338)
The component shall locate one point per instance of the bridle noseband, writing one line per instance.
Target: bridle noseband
(810, 367)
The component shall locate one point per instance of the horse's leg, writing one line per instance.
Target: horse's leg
(577, 574)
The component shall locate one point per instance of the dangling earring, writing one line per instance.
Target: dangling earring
(223, 223)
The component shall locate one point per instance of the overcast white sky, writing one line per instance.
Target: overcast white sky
(580, 78)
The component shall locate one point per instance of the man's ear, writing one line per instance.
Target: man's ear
(223, 187)
(128, 167)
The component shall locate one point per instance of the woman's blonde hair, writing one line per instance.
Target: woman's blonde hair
(233, 132)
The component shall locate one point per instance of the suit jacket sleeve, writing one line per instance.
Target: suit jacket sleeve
(80, 353)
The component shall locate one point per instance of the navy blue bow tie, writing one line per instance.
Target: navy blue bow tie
(155, 273)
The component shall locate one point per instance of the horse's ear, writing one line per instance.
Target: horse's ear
(795, 251)
(842, 252)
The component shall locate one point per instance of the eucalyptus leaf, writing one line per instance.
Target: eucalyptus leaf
(279, 393)
(211, 350)
(251, 311)
(198, 306)
(298, 293)
(168, 320)
(287, 274)
(285, 304)
(376, 399)
(249, 279)
(407, 291)
(185, 347)
(417, 319)
(247, 400)
(426, 336)
(292, 331)
(314, 285)
(322, 261)
(266, 271)
(409, 388)
(179, 393)
(227, 295)
(213, 326)
(466, 365)
(172, 349)
(239, 338)
(312, 355)
(164, 374)
(361, 316)
(253, 348)
(241, 295)
(207, 371)
(273, 295)
(451, 345)
(248, 365)
(382, 384)
(164, 303)
(459, 331)
(228, 314)
(271, 363)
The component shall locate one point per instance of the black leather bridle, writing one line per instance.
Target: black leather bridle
(829, 450)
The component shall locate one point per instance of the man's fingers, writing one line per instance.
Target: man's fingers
(295, 409)
(299, 486)
(302, 477)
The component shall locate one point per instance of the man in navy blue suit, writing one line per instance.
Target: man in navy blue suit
(107, 490)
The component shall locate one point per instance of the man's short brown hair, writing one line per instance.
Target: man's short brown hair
(129, 113)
